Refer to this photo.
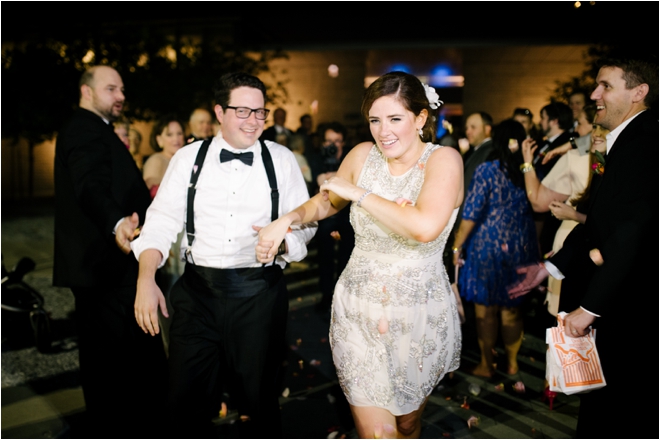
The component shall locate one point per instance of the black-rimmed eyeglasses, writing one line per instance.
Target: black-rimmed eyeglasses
(245, 112)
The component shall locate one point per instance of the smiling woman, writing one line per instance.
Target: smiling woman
(166, 139)
(395, 330)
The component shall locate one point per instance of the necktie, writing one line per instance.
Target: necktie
(246, 158)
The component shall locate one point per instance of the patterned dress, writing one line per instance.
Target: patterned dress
(395, 330)
(503, 238)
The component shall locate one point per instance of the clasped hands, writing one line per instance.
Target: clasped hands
(270, 238)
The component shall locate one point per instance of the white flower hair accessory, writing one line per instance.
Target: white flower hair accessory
(434, 98)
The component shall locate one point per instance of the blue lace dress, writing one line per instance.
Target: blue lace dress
(504, 237)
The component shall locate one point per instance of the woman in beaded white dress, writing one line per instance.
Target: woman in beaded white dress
(395, 330)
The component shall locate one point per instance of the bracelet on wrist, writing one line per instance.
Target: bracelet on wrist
(456, 250)
(526, 167)
(365, 194)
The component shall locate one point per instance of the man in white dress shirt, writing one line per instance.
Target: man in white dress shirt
(229, 325)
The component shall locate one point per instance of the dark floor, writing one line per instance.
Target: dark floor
(41, 396)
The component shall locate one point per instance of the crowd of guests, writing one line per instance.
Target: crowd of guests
(494, 202)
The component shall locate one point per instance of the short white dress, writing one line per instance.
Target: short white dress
(395, 330)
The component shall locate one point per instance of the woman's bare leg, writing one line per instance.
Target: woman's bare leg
(486, 317)
(410, 425)
(512, 335)
(372, 422)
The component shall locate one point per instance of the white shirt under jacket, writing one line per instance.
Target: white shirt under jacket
(231, 197)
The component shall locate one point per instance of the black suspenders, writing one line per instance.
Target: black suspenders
(192, 188)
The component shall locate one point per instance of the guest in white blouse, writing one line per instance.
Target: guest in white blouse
(228, 329)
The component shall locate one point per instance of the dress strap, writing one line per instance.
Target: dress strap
(430, 148)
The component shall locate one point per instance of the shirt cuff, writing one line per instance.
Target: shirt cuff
(591, 313)
(296, 250)
(553, 271)
(114, 231)
(137, 246)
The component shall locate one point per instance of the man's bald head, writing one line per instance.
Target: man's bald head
(102, 92)
(200, 123)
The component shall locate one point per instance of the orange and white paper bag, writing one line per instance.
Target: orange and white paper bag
(572, 364)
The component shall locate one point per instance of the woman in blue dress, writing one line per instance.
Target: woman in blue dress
(495, 236)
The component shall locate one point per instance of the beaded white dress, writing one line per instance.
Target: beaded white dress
(395, 330)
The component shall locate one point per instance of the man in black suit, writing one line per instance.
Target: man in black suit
(336, 228)
(201, 126)
(612, 254)
(278, 132)
(478, 127)
(556, 123)
(100, 198)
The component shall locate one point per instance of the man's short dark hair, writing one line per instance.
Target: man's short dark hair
(337, 128)
(305, 116)
(636, 70)
(580, 92)
(230, 81)
(523, 112)
(561, 112)
(486, 119)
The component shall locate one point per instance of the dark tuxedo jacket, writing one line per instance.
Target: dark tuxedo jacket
(622, 222)
(96, 184)
(270, 134)
(475, 159)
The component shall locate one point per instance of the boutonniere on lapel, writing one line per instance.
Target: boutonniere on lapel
(598, 167)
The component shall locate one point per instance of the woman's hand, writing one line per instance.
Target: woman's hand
(342, 188)
(562, 211)
(528, 148)
(559, 151)
(458, 261)
(270, 238)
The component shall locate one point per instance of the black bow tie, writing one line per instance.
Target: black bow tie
(246, 158)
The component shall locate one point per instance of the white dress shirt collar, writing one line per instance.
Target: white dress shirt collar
(552, 139)
(484, 141)
(614, 134)
(254, 148)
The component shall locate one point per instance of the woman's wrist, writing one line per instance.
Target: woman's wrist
(289, 218)
(526, 167)
(362, 197)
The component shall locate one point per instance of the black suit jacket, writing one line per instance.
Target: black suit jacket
(270, 134)
(96, 184)
(621, 223)
(475, 159)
